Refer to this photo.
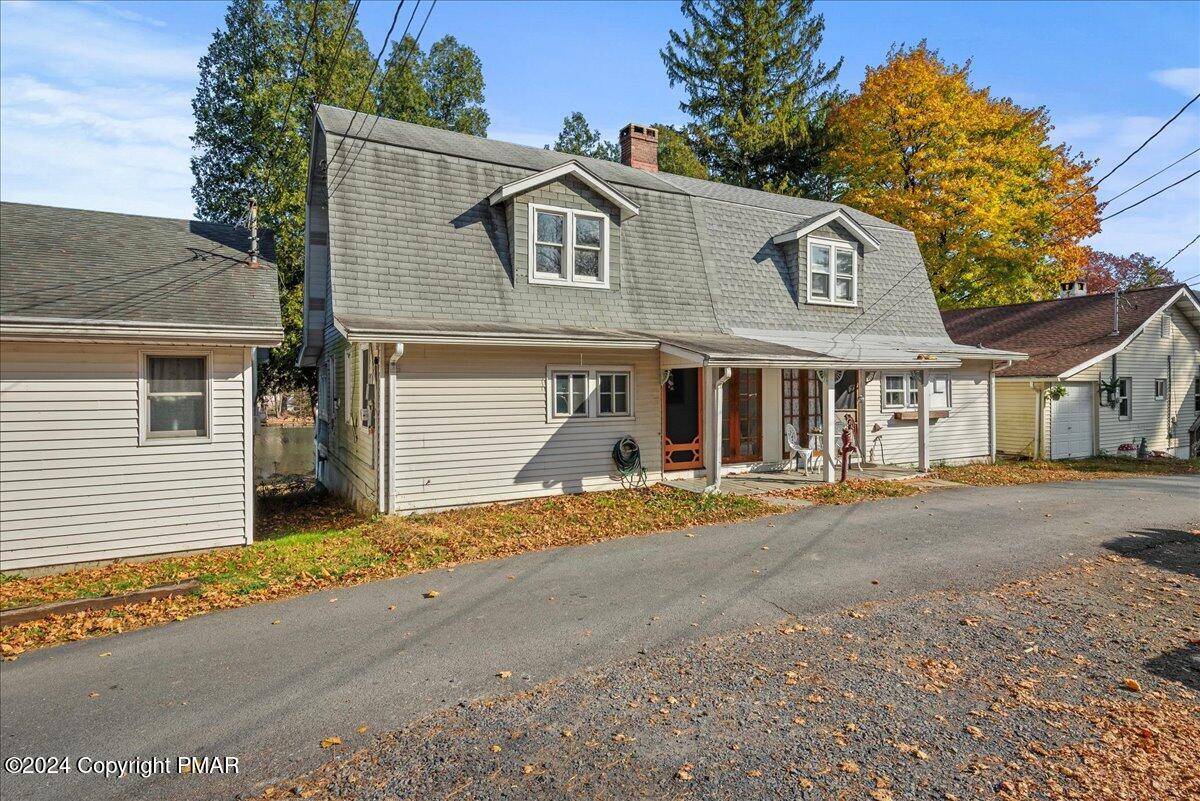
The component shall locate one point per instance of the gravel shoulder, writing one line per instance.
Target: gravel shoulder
(1075, 684)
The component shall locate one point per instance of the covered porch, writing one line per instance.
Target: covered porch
(727, 429)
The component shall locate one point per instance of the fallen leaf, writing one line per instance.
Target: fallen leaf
(1133, 685)
(362, 729)
(683, 775)
(93, 695)
(329, 742)
(495, 749)
(849, 766)
(504, 674)
(568, 733)
(392, 608)
(432, 594)
(527, 769)
(106, 653)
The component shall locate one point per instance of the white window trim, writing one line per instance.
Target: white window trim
(568, 247)
(347, 397)
(834, 246)
(912, 383)
(592, 388)
(1157, 394)
(144, 437)
(628, 393)
(1128, 384)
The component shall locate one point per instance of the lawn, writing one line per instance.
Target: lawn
(311, 542)
(1039, 472)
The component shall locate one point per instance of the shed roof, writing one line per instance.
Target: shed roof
(70, 268)
(1064, 334)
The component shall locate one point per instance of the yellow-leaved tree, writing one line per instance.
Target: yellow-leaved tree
(997, 208)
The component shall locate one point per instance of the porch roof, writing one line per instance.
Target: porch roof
(739, 348)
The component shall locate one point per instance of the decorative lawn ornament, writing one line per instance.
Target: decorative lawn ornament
(849, 437)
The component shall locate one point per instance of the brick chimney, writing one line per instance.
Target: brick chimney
(639, 147)
(1072, 289)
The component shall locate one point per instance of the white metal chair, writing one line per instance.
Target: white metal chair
(792, 437)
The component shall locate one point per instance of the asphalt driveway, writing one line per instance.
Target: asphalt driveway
(267, 683)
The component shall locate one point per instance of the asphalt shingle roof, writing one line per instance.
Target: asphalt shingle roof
(412, 237)
(1057, 334)
(92, 266)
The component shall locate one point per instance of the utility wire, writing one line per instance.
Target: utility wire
(403, 65)
(367, 86)
(1148, 141)
(1151, 177)
(1148, 197)
(1185, 247)
(298, 67)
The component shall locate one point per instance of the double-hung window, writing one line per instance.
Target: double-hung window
(832, 272)
(595, 392)
(903, 390)
(567, 246)
(570, 394)
(612, 389)
(1160, 389)
(1124, 407)
(177, 393)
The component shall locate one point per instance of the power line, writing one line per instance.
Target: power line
(1148, 141)
(1185, 247)
(1152, 195)
(404, 64)
(367, 86)
(1151, 177)
(299, 70)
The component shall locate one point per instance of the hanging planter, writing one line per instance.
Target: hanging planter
(1056, 392)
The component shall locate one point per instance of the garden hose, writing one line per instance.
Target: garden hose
(628, 458)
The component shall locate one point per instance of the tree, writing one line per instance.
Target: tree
(443, 89)
(578, 138)
(998, 210)
(400, 91)
(675, 154)
(247, 145)
(1105, 272)
(757, 94)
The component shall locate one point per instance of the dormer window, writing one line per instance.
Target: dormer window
(832, 272)
(568, 247)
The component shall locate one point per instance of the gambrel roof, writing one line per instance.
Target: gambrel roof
(417, 232)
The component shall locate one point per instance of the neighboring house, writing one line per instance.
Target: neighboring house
(489, 319)
(1129, 366)
(127, 364)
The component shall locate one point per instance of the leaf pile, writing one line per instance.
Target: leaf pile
(1041, 471)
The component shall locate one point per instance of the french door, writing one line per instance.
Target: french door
(741, 433)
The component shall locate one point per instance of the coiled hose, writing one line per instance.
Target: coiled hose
(628, 457)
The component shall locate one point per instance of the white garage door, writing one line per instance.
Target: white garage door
(1071, 422)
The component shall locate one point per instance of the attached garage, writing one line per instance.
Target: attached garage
(1071, 422)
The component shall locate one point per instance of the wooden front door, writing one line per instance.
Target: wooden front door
(683, 422)
(741, 432)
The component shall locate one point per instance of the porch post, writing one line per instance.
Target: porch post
(718, 415)
(992, 414)
(828, 422)
(923, 423)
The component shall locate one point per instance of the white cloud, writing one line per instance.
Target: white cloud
(1182, 79)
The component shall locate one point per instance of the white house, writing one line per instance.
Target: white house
(489, 319)
(1105, 372)
(127, 369)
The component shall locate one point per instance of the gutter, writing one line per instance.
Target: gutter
(88, 331)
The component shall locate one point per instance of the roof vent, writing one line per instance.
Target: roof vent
(639, 147)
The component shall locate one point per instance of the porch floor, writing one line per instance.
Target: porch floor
(762, 482)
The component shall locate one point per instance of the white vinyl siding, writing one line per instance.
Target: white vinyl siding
(472, 425)
(1143, 360)
(349, 468)
(78, 484)
(962, 436)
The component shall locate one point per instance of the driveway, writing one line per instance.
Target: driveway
(238, 683)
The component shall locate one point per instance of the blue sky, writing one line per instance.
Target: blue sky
(95, 97)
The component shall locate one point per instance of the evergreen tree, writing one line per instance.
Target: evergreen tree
(581, 139)
(757, 93)
(443, 88)
(244, 149)
(676, 156)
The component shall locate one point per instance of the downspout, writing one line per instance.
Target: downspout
(1038, 406)
(992, 407)
(387, 434)
(714, 463)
